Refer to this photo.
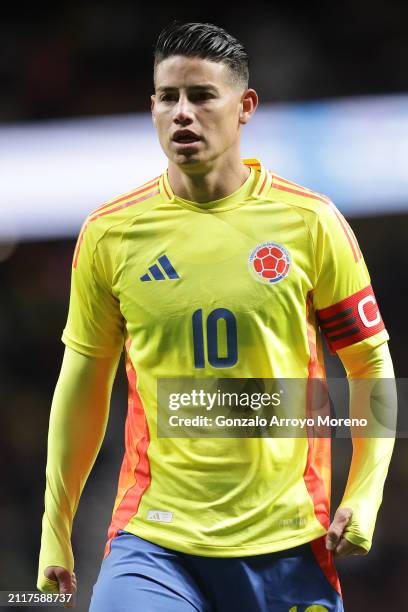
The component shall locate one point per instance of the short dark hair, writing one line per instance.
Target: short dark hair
(206, 41)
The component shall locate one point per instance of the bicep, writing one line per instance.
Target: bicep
(343, 296)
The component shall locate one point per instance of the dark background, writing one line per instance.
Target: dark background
(75, 59)
(93, 58)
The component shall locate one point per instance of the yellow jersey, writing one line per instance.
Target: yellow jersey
(237, 287)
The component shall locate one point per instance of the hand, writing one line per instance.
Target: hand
(66, 583)
(335, 540)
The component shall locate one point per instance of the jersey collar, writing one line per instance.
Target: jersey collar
(261, 184)
(264, 182)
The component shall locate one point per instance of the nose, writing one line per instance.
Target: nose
(183, 111)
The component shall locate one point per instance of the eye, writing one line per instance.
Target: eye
(201, 96)
(168, 97)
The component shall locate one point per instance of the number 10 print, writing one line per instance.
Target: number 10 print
(213, 357)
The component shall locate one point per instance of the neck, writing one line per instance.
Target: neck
(207, 184)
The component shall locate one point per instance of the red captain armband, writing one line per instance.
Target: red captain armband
(353, 319)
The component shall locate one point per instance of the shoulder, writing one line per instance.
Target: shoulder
(299, 196)
(116, 213)
(319, 213)
(126, 205)
(317, 209)
(321, 216)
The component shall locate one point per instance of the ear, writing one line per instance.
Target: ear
(152, 107)
(249, 104)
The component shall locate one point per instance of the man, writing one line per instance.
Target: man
(215, 269)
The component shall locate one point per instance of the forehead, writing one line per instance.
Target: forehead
(179, 72)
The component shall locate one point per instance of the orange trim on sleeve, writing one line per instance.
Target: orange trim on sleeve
(351, 238)
(102, 214)
(297, 190)
(132, 194)
(308, 193)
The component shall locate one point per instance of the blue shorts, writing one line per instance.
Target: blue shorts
(139, 576)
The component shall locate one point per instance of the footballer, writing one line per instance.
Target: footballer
(217, 268)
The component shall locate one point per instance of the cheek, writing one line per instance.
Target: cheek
(162, 124)
(228, 121)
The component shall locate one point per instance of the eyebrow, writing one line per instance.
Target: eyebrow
(207, 87)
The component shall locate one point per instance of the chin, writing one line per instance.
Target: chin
(192, 159)
(187, 157)
(185, 160)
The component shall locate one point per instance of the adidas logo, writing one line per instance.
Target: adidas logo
(166, 271)
(158, 516)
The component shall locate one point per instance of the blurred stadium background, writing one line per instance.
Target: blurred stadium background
(75, 130)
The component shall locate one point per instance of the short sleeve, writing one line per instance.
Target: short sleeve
(95, 325)
(343, 296)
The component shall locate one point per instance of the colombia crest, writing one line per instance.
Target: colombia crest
(269, 262)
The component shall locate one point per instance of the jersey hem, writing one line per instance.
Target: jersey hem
(210, 550)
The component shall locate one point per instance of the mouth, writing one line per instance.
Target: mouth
(186, 138)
